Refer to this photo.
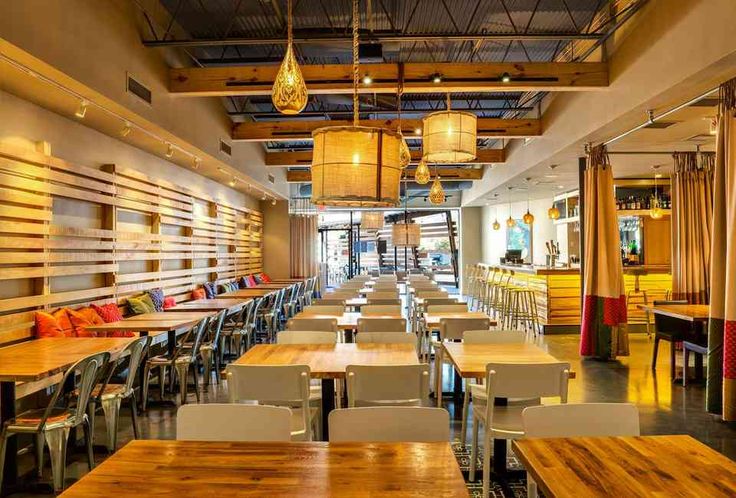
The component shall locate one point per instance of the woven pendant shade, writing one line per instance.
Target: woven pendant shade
(422, 175)
(436, 192)
(289, 92)
(371, 220)
(405, 154)
(449, 137)
(356, 166)
(406, 234)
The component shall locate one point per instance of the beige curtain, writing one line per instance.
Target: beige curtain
(721, 386)
(603, 331)
(304, 256)
(692, 215)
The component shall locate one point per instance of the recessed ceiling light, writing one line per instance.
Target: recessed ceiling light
(417, 131)
(506, 78)
(367, 80)
(437, 78)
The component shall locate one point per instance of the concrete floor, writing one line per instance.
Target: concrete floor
(665, 408)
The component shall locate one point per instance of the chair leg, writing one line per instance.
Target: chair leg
(473, 450)
(673, 355)
(181, 374)
(531, 487)
(685, 361)
(207, 365)
(438, 375)
(39, 456)
(466, 405)
(146, 380)
(111, 409)
(56, 440)
(91, 411)
(88, 440)
(193, 366)
(3, 438)
(134, 415)
(488, 444)
(655, 352)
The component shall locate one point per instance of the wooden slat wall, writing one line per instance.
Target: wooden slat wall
(71, 234)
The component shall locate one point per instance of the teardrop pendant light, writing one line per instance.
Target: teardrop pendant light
(289, 92)
(436, 192)
(496, 225)
(422, 175)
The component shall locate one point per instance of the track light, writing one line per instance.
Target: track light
(126, 129)
(169, 151)
(367, 80)
(264, 197)
(231, 182)
(197, 162)
(506, 78)
(437, 78)
(417, 131)
(273, 202)
(82, 109)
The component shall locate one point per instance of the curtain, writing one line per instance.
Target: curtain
(692, 213)
(304, 256)
(721, 387)
(603, 331)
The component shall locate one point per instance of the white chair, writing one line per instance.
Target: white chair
(383, 295)
(578, 420)
(328, 302)
(383, 302)
(392, 385)
(381, 325)
(316, 324)
(389, 424)
(322, 309)
(233, 422)
(380, 309)
(306, 337)
(386, 338)
(286, 385)
(447, 308)
(430, 293)
(527, 383)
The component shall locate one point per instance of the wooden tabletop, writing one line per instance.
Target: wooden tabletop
(328, 361)
(470, 360)
(148, 468)
(210, 305)
(346, 321)
(273, 285)
(356, 301)
(250, 292)
(38, 358)
(457, 297)
(433, 319)
(160, 325)
(648, 466)
(184, 315)
(689, 312)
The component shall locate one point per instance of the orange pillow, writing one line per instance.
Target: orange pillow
(83, 317)
(47, 326)
(198, 294)
(65, 324)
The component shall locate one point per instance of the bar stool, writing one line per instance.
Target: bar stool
(494, 281)
(502, 296)
(523, 310)
(637, 291)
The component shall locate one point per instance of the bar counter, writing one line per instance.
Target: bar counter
(558, 292)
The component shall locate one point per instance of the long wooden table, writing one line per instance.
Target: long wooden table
(347, 320)
(246, 293)
(432, 320)
(647, 466)
(238, 469)
(329, 361)
(34, 361)
(688, 312)
(230, 305)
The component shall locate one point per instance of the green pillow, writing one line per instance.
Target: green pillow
(141, 304)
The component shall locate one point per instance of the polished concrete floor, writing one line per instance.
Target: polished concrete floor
(665, 408)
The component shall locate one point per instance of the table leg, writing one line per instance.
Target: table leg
(499, 447)
(171, 342)
(457, 389)
(7, 412)
(328, 404)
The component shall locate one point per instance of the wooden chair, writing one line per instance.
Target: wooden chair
(319, 324)
(672, 330)
(380, 309)
(389, 424)
(233, 422)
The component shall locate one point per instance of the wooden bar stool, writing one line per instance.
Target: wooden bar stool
(639, 292)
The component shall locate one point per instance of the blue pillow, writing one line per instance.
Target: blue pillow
(242, 283)
(209, 290)
(157, 296)
(258, 279)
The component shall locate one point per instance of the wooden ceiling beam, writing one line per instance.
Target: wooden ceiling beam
(304, 158)
(418, 78)
(272, 131)
(449, 174)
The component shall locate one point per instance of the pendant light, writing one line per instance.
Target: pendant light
(528, 217)
(436, 192)
(553, 213)
(356, 165)
(511, 222)
(655, 212)
(289, 92)
(449, 136)
(496, 225)
(371, 220)
(422, 175)
(406, 234)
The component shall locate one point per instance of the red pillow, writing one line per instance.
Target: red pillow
(47, 326)
(266, 279)
(111, 313)
(198, 294)
(65, 324)
(251, 281)
(80, 321)
(169, 302)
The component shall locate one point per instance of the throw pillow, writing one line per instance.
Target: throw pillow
(198, 294)
(157, 298)
(266, 279)
(47, 326)
(209, 290)
(80, 323)
(169, 302)
(141, 304)
(65, 324)
(258, 279)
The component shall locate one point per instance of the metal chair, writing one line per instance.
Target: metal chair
(209, 348)
(53, 423)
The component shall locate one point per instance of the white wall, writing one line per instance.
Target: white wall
(494, 241)
(471, 252)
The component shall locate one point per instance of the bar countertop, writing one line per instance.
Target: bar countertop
(563, 270)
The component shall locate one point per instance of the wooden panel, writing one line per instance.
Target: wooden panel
(657, 241)
(337, 78)
(71, 234)
(447, 174)
(304, 158)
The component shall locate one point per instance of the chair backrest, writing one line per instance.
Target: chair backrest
(493, 337)
(386, 338)
(664, 323)
(318, 324)
(447, 308)
(306, 337)
(323, 309)
(437, 301)
(329, 302)
(233, 422)
(268, 383)
(527, 380)
(431, 293)
(390, 424)
(388, 385)
(215, 328)
(453, 328)
(201, 330)
(380, 309)
(581, 419)
(387, 302)
(381, 325)
(136, 351)
(384, 295)
(343, 296)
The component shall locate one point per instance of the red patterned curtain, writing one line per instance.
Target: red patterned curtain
(721, 387)
(603, 331)
(304, 256)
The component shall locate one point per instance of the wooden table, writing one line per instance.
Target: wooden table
(250, 292)
(273, 285)
(170, 323)
(470, 360)
(347, 320)
(432, 320)
(650, 466)
(689, 312)
(35, 361)
(194, 315)
(419, 301)
(210, 305)
(328, 362)
(356, 302)
(239, 469)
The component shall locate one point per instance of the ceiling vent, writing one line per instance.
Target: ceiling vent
(271, 178)
(661, 125)
(226, 148)
(135, 87)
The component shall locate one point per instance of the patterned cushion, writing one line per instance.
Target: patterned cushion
(223, 288)
(233, 286)
(157, 297)
(169, 302)
(47, 326)
(140, 304)
(242, 283)
(251, 281)
(209, 290)
(266, 279)
(258, 279)
(198, 294)
(111, 313)
(80, 321)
